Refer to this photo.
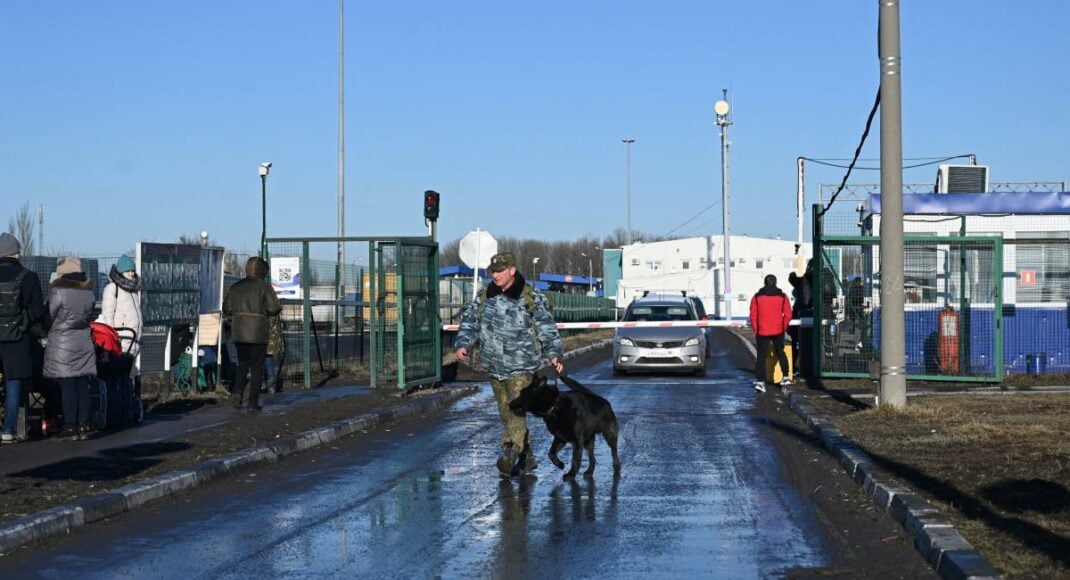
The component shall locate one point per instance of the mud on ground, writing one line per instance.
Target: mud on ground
(997, 464)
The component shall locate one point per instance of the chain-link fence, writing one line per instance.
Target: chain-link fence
(985, 295)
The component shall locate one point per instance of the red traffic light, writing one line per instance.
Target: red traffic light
(431, 205)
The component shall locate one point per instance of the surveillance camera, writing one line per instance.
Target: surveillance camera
(266, 165)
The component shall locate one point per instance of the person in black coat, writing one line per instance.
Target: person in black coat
(22, 312)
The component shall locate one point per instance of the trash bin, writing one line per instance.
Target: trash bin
(1036, 363)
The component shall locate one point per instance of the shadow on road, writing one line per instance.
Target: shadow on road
(107, 465)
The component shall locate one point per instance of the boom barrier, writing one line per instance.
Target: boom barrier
(804, 322)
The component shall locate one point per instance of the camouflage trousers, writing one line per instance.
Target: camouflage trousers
(514, 427)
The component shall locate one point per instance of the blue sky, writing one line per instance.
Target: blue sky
(137, 120)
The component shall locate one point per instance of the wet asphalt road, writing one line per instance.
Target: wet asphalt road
(700, 496)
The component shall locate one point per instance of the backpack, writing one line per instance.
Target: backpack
(14, 319)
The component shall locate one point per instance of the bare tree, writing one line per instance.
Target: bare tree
(21, 226)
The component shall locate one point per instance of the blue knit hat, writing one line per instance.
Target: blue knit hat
(125, 264)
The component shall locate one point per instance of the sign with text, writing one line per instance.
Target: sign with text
(286, 277)
(170, 282)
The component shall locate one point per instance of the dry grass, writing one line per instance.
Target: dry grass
(998, 463)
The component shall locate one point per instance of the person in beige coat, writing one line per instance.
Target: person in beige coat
(70, 358)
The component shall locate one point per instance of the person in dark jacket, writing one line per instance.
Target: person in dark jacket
(70, 358)
(249, 304)
(22, 312)
(770, 315)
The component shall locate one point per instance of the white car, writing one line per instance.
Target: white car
(660, 348)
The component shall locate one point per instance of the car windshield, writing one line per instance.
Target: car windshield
(659, 313)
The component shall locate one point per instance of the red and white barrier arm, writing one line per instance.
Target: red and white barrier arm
(648, 324)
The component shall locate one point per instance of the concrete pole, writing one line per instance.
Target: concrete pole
(893, 388)
(341, 132)
(800, 204)
(339, 284)
(724, 121)
(628, 143)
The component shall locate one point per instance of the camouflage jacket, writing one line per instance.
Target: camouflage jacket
(511, 339)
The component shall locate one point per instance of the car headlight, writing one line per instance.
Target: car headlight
(693, 341)
(625, 341)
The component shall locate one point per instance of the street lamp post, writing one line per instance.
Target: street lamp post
(723, 121)
(628, 142)
(534, 268)
(265, 168)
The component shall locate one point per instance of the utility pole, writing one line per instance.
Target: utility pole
(628, 144)
(723, 121)
(340, 270)
(893, 387)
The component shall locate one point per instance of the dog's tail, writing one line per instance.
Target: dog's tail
(576, 385)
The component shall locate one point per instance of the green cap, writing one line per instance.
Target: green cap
(499, 262)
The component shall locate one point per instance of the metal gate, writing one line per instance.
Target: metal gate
(396, 293)
(953, 307)
(406, 331)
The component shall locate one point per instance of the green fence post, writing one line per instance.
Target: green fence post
(399, 283)
(306, 307)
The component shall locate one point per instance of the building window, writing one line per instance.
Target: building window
(653, 266)
(1043, 274)
(759, 264)
(685, 265)
(978, 273)
(919, 271)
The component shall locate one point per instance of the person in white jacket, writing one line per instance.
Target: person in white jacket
(121, 305)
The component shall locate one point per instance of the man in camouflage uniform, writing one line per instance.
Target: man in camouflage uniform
(512, 323)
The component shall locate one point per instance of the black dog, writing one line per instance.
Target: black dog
(572, 417)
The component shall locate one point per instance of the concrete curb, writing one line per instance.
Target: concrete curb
(64, 518)
(950, 555)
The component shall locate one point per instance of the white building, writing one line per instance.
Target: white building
(696, 266)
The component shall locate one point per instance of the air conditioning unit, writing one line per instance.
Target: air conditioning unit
(962, 179)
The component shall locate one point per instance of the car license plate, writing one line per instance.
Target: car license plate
(659, 352)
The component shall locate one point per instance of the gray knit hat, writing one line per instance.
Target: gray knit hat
(9, 245)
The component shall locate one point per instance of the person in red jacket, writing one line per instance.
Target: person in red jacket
(770, 314)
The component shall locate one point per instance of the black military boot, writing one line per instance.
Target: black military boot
(507, 462)
(530, 465)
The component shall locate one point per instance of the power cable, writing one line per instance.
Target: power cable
(692, 218)
(858, 151)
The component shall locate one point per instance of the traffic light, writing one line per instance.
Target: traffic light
(431, 205)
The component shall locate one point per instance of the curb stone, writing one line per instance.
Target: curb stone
(64, 518)
(949, 554)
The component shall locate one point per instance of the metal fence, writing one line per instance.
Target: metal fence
(985, 295)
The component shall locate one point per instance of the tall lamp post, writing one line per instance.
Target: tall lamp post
(535, 268)
(628, 143)
(723, 121)
(265, 168)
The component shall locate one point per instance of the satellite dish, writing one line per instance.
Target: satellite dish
(721, 108)
(476, 249)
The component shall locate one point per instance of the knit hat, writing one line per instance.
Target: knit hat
(68, 265)
(9, 245)
(125, 264)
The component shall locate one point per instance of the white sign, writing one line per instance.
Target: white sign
(286, 277)
(476, 249)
